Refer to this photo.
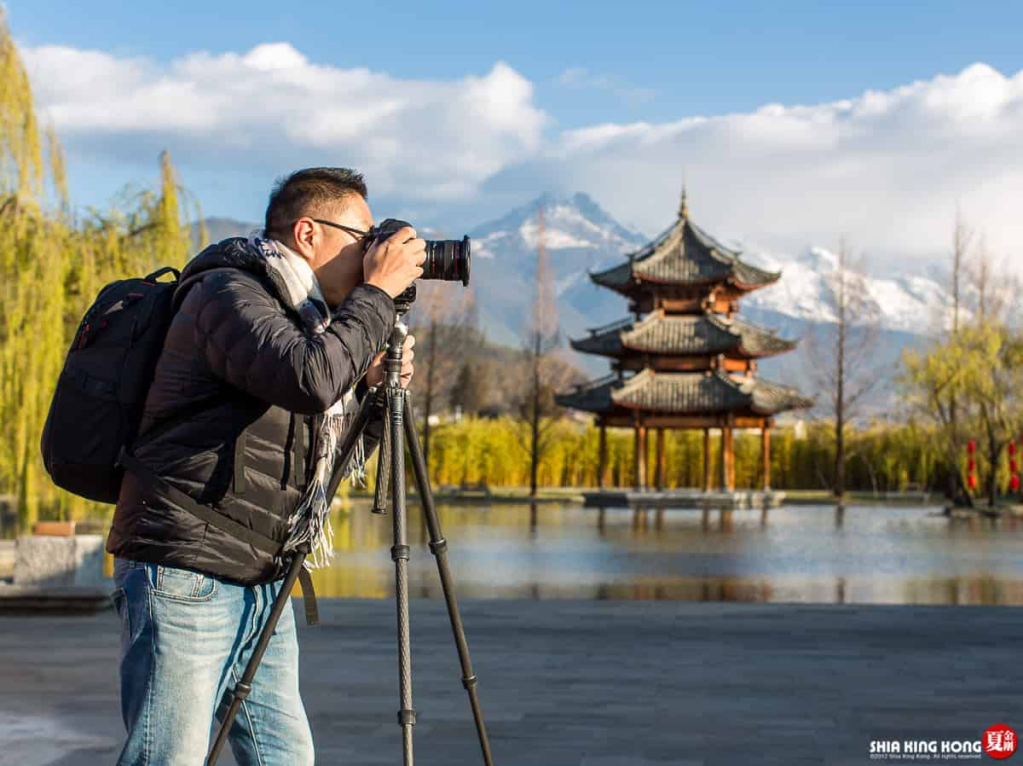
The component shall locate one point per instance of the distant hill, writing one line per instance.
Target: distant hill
(222, 228)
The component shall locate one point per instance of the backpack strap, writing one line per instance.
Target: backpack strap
(160, 272)
(239, 464)
(218, 520)
(182, 289)
(179, 417)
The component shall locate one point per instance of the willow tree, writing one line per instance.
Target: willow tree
(992, 355)
(933, 382)
(33, 262)
(51, 267)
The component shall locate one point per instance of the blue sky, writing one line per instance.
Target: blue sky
(696, 58)
(570, 69)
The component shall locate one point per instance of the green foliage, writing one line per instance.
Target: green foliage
(52, 265)
(968, 385)
(883, 458)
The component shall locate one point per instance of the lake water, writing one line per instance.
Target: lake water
(864, 554)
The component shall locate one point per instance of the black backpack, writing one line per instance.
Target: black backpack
(98, 402)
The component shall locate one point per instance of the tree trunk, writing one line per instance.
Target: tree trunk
(706, 460)
(660, 480)
(839, 490)
(840, 399)
(534, 446)
(962, 492)
(954, 473)
(994, 457)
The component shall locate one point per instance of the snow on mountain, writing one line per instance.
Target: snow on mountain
(911, 302)
(570, 223)
(578, 235)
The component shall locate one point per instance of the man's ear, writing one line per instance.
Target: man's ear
(304, 233)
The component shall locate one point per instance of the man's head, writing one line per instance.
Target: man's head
(337, 195)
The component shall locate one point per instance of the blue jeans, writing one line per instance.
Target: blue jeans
(185, 637)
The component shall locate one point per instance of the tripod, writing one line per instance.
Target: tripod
(399, 432)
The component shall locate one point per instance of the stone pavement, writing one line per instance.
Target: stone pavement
(572, 683)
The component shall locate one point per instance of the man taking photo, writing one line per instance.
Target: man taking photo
(275, 343)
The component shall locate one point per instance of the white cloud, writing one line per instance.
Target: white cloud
(887, 168)
(444, 138)
(582, 78)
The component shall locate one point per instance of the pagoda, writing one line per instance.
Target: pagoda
(686, 358)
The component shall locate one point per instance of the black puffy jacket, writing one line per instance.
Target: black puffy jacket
(252, 385)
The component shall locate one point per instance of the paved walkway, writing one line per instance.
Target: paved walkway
(568, 683)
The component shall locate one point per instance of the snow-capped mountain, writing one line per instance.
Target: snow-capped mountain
(913, 302)
(578, 235)
(570, 223)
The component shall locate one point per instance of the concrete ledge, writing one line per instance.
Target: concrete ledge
(15, 599)
(59, 562)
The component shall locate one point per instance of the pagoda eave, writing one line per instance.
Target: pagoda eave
(637, 285)
(583, 347)
(713, 393)
(748, 287)
(745, 353)
(699, 335)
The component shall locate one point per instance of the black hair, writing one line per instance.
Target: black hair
(308, 192)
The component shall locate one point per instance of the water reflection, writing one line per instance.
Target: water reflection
(810, 554)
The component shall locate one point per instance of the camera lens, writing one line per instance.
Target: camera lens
(447, 259)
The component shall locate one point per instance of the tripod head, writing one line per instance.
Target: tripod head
(404, 301)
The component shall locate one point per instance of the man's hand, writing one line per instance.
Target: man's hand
(377, 372)
(392, 265)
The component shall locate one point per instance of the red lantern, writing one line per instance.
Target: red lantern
(971, 466)
(972, 481)
(1012, 465)
(1012, 448)
(1014, 483)
(971, 446)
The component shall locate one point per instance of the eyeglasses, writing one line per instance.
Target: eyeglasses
(362, 234)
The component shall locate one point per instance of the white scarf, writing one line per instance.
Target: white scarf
(310, 522)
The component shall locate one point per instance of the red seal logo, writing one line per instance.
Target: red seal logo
(999, 741)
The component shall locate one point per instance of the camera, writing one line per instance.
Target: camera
(446, 259)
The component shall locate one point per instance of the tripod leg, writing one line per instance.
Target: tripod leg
(400, 555)
(438, 545)
(383, 473)
(244, 686)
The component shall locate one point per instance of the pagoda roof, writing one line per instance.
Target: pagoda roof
(684, 334)
(684, 255)
(684, 394)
